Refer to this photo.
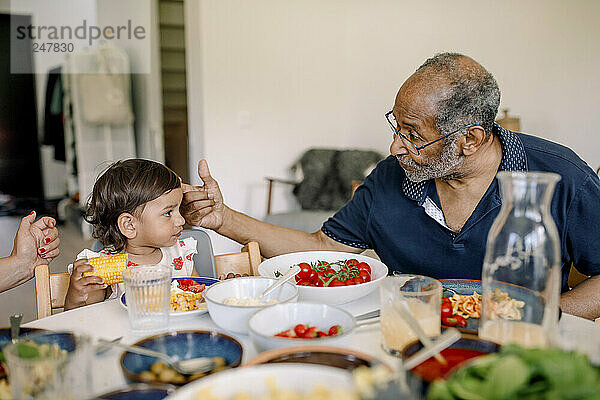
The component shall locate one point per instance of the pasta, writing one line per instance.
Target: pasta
(466, 305)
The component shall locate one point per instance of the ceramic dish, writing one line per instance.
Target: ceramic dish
(181, 345)
(324, 355)
(264, 324)
(467, 342)
(139, 391)
(469, 286)
(254, 381)
(202, 308)
(327, 295)
(233, 317)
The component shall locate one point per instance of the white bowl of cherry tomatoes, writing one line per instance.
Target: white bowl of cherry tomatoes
(300, 324)
(328, 277)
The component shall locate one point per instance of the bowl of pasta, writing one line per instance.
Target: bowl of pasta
(329, 277)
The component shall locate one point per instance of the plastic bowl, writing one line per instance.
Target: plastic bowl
(235, 318)
(327, 295)
(264, 324)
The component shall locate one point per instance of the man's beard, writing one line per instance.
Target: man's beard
(442, 167)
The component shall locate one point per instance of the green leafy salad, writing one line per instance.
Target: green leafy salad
(519, 373)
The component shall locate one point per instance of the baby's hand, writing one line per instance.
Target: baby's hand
(81, 286)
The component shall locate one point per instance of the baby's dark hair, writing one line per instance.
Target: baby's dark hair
(125, 187)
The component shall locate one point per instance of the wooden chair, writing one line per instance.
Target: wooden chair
(50, 290)
(244, 262)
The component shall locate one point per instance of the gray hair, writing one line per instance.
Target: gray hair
(473, 96)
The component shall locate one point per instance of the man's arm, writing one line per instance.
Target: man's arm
(583, 300)
(203, 206)
(275, 240)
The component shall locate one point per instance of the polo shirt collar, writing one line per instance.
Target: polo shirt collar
(513, 159)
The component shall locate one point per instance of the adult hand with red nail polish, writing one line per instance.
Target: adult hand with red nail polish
(36, 243)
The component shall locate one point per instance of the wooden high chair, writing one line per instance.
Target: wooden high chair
(244, 262)
(50, 290)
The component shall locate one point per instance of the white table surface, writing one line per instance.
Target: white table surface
(109, 320)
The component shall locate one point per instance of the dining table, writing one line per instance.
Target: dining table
(109, 320)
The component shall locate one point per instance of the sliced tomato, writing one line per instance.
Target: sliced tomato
(335, 330)
(311, 333)
(300, 329)
(287, 334)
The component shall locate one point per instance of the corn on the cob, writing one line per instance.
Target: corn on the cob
(109, 268)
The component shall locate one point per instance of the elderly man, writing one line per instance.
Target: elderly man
(429, 206)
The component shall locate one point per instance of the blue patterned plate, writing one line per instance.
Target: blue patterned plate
(462, 286)
(468, 286)
(201, 308)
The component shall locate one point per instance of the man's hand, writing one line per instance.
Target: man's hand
(36, 242)
(203, 205)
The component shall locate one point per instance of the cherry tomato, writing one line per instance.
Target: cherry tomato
(335, 330)
(336, 282)
(311, 332)
(364, 276)
(300, 329)
(460, 321)
(313, 276)
(352, 261)
(446, 310)
(449, 321)
(364, 266)
(304, 271)
(288, 334)
(330, 272)
(297, 278)
(304, 282)
(318, 282)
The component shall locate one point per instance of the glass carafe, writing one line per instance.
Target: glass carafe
(521, 270)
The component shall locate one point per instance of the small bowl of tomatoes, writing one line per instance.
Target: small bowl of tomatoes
(300, 324)
(329, 277)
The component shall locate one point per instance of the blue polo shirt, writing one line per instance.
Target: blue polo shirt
(402, 220)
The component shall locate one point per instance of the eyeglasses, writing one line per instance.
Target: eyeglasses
(410, 145)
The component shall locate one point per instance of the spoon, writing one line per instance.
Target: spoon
(187, 367)
(281, 280)
(15, 326)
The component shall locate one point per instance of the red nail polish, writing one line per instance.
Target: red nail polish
(42, 250)
(47, 240)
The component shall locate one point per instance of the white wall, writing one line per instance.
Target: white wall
(277, 77)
